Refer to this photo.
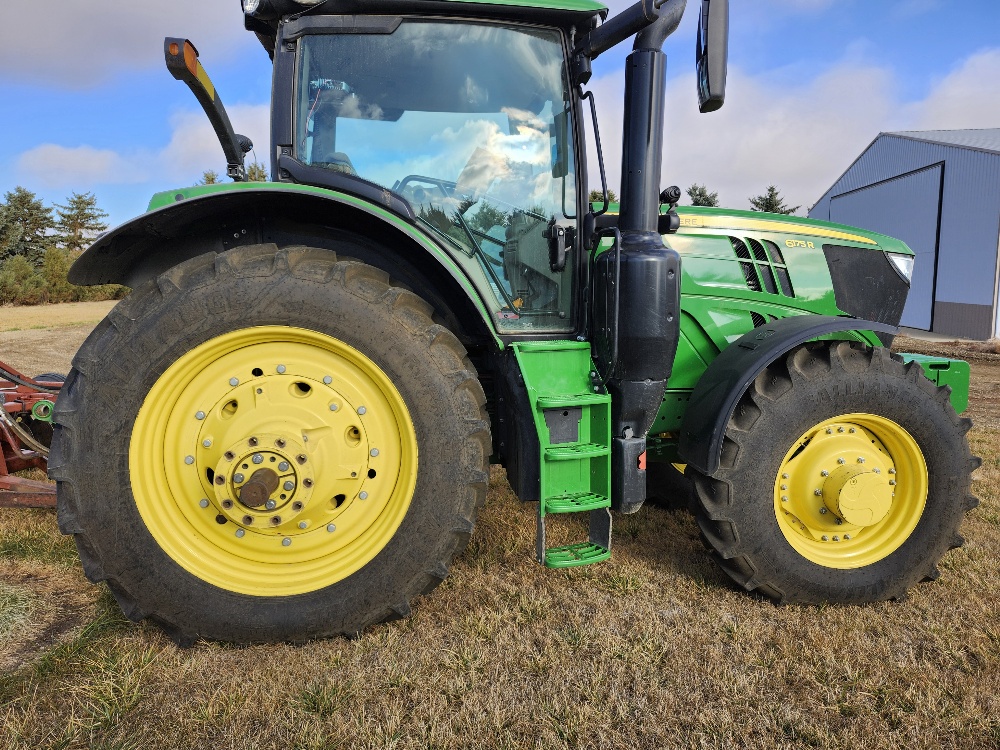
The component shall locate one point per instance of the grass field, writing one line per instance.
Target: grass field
(654, 649)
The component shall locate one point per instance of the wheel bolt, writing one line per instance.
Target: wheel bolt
(286, 542)
(189, 460)
(784, 476)
(203, 503)
(257, 458)
(234, 382)
(327, 380)
(877, 470)
(240, 533)
(784, 498)
(892, 471)
(374, 452)
(363, 495)
(824, 473)
(818, 493)
(836, 539)
(283, 466)
(840, 429)
(207, 443)
(825, 538)
(331, 528)
(829, 430)
(302, 524)
(823, 511)
(847, 536)
(892, 482)
(853, 430)
(238, 478)
(784, 486)
(838, 521)
(861, 459)
(334, 407)
(200, 415)
(841, 461)
(362, 410)
(270, 505)
(281, 369)
(289, 486)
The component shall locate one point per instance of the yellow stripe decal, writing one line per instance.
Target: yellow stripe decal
(205, 81)
(764, 225)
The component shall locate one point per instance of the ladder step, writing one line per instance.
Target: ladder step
(571, 399)
(572, 555)
(571, 452)
(576, 502)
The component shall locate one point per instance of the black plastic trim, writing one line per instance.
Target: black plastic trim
(361, 24)
(714, 398)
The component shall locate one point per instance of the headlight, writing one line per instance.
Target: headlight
(903, 264)
(250, 6)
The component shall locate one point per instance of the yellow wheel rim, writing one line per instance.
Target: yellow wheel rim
(850, 491)
(273, 461)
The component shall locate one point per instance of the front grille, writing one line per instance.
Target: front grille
(866, 285)
(763, 273)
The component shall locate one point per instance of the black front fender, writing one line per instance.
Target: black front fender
(714, 398)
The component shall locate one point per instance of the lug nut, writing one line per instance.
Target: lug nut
(283, 466)
(240, 533)
(829, 430)
(818, 493)
(784, 476)
(362, 410)
(877, 470)
(836, 539)
(238, 478)
(784, 498)
(892, 482)
(892, 471)
(281, 369)
(270, 505)
(852, 430)
(825, 538)
(286, 542)
(331, 528)
(374, 452)
(823, 511)
(784, 486)
(334, 407)
(327, 380)
(861, 459)
(288, 486)
(363, 495)
(203, 503)
(257, 458)
(841, 461)
(303, 524)
(838, 521)
(840, 429)
(207, 443)
(847, 536)
(824, 473)
(234, 382)
(199, 415)
(189, 460)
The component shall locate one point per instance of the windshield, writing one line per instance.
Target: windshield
(469, 123)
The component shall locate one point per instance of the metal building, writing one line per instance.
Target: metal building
(938, 191)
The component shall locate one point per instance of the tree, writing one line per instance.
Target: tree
(209, 177)
(772, 202)
(79, 222)
(596, 196)
(26, 225)
(256, 172)
(700, 196)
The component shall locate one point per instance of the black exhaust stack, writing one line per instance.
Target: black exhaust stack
(637, 287)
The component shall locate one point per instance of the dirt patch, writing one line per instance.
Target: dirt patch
(59, 602)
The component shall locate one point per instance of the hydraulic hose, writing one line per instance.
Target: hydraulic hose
(23, 435)
(27, 382)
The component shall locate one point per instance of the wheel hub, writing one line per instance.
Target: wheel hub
(859, 496)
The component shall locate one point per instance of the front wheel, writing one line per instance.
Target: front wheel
(845, 475)
(266, 446)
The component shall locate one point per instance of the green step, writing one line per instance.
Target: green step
(572, 555)
(574, 451)
(570, 400)
(577, 502)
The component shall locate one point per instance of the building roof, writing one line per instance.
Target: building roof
(984, 139)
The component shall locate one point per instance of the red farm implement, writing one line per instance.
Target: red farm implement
(26, 406)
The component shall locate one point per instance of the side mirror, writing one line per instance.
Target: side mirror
(712, 54)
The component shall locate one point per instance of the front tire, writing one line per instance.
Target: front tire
(845, 475)
(270, 445)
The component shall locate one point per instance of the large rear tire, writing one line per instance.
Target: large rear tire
(845, 476)
(270, 445)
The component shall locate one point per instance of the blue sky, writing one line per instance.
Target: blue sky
(90, 107)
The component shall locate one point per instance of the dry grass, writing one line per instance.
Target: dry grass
(651, 650)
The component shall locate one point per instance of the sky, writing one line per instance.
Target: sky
(88, 106)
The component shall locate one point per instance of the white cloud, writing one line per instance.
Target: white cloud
(799, 138)
(192, 149)
(79, 43)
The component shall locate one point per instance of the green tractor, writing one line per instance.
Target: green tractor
(285, 431)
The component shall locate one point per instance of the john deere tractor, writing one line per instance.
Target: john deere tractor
(285, 431)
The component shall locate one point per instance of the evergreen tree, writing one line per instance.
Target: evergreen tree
(209, 177)
(25, 226)
(79, 222)
(256, 172)
(596, 196)
(771, 202)
(700, 196)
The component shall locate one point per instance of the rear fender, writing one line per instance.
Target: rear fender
(218, 218)
(714, 398)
